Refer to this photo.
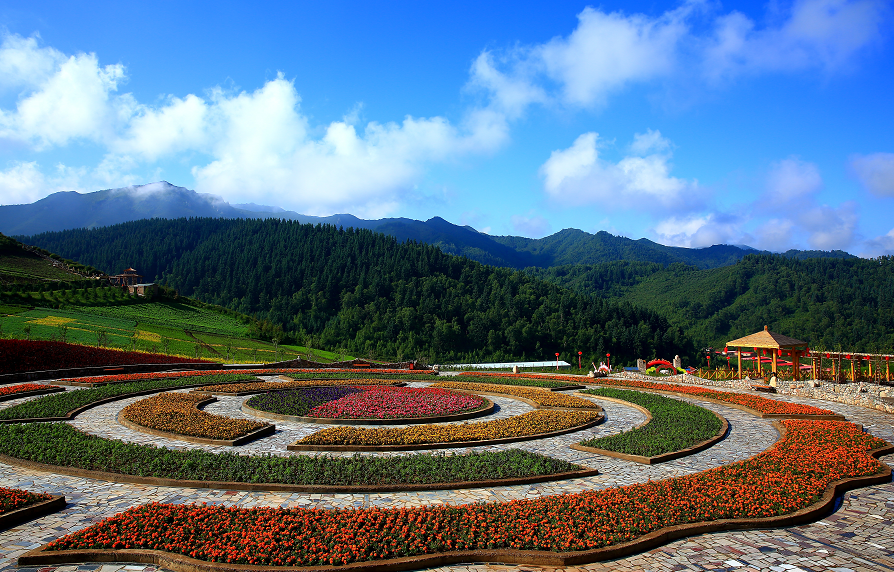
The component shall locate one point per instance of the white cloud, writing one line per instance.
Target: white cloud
(606, 51)
(609, 51)
(792, 180)
(698, 231)
(24, 182)
(880, 246)
(875, 172)
(775, 235)
(830, 228)
(66, 98)
(823, 34)
(24, 64)
(577, 175)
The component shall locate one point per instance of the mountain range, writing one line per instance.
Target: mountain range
(71, 210)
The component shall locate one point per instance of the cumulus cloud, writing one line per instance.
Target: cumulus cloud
(578, 175)
(813, 34)
(610, 50)
(697, 231)
(881, 245)
(65, 98)
(875, 172)
(24, 182)
(252, 145)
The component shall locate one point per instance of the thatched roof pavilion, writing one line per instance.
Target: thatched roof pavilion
(767, 342)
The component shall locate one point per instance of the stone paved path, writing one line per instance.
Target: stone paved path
(858, 536)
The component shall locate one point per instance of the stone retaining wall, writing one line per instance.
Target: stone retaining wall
(862, 394)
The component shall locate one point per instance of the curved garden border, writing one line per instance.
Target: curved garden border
(698, 447)
(451, 445)
(31, 512)
(835, 417)
(181, 563)
(31, 393)
(488, 408)
(241, 440)
(283, 487)
(75, 412)
(259, 391)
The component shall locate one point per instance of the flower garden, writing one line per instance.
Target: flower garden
(791, 476)
(755, 402)
(13, 391)
(371, 402)
(178, 413)
(794, 474)
(14, 499)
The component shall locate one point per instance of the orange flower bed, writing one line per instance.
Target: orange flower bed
(792, 475)
(541, 397)
(527, 425)
(177, 413)
(761, 404)
(23, 388)
(262, 386)
(14, 499)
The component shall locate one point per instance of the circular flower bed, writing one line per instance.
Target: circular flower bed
(376, 402)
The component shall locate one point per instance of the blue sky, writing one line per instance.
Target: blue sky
(694, 123)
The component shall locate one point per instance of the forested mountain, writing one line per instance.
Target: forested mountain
(828, 302)
(70, 210)
(369, 293)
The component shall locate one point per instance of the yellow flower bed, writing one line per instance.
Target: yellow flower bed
(527, 425)
(294, 384)
(177, 413)
(541, 397)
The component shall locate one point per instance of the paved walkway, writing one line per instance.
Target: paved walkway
(856, 537)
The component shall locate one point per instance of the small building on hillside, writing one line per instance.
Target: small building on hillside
(148, 290)
(127, 278)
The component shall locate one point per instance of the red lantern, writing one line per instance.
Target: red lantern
(579, 354)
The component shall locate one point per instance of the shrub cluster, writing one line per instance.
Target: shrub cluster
(62, 444)
(790, 476)
(178, 413)
(541, 397)
(528, 424)
(675, 425)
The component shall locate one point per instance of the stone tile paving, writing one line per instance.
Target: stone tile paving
(856, 537)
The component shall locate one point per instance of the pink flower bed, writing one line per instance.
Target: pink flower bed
(397, 402)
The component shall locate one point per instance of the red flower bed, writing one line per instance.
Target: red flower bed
(791, 476)
(396, 403)
(14, 499)
(22, 355)
(119, 378)
(762, 404)
(22, 388)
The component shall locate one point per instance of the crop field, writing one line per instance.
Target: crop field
(159, 327)
(28, 269)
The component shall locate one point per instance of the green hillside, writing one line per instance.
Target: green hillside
(828, 302)
(369, 293)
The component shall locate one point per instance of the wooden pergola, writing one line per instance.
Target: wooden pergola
(767, 342)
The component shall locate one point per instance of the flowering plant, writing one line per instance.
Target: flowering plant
(541, 397)
(24, 387)
(792, 475)
(177, 413)
(14, 499)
